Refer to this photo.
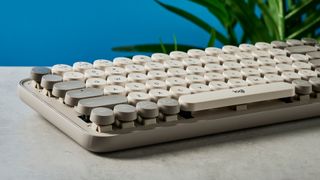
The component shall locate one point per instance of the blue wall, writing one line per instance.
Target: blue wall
(39, 32)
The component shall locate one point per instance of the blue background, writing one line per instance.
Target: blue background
(39, 32)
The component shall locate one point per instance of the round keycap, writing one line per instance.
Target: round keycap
(94, 73)
(49, 80)
(177, 91)
(160, 57)
(306, 74)
(290, 76)
(135, 97)
(122, 61)
(247, 47)
(116, 80)
(299, 57)
(191, 62)
(244, 55)
(178, 55)
(213, 68)
(114, 90)
(135, 87)
(213, 51)
(195, 70)
(168, 106)
(229, 49)
(263, 45)
(227, 57)
(198, 87)
(254, 80)
(302, 87)
(315, 81)
(155, 84)
(279, 44)
(282, 59)
(159, 75)
(270, 78)
(233, 83)
(156, 94)
(196, 53)
(195, 79)
(176, 72)
(212, 76)
(82, 66)
(96, 83)
(154, 66)
(294, 42)
(175, 81)
(60, 69)
(125, 112)
(102, 64)
(209, 59)
(102, 116)
(141, 59)
(147, 109)
(134, 68)
(115, 71)
(38, 72)
(137, 77)
(73, 76)
(309, 41)
(218, 85)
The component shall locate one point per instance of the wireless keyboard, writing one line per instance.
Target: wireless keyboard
(125, 103)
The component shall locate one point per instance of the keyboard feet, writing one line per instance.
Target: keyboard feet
(147, 122)
(123, 124)
(101, 129)
(168, 118)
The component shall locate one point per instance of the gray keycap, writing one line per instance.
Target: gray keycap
(37, 73)
(102, 116)
(168, 106)
(314, 55)
(309, 41)
(302, 87)
(315, 81)
(294, 42)
(60, 89)
(125, 112)
(315, 63)
(47, 81)
(86, 105)
(300, 49)
(72, 97)
(147, 109)
(279, 44)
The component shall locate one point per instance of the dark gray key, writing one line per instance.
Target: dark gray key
(317, 46)
(168, 106)
(72, 97)
(315, 63)
(47, 81)
(300, 49)
(125, 112)
(86, 105)
(294, 42)
(315, 81)
(102, 116)
(279, 44)
(302, 87)
(309, 41)
(314, 55)
(147, 109)
(60, 89)
(37, 73)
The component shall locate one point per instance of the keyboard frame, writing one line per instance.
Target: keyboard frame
(203, 123)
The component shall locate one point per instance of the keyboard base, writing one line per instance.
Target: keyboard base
(200, 124)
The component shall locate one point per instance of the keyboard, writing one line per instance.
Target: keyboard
(130, 102)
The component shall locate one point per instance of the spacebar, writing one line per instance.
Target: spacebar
(235, 96)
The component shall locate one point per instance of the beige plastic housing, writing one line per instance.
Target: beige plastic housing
(202, 123)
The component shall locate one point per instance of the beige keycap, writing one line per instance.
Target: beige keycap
(254, 80)
(190, 79)
(260, 53)
(230, 97)
(299, 57)
(72, 97)
(198, 87)
(263, 45)
(122, 61)
(191, 62)
(315, 81)
(114, 90)
(270, 78)
(213, 51)
(116, 80)
(302, 87)
(115, 71)
(232, 74)
(266, 62)
(154, 66)
(134, 68)
(282, 60)
(96, 83)
(137, 77)
(198, 70)
(102, 116)
(196, 53)
(247, 47)
(244, 55)
(268, 70)
(48, 81)
(294, 42)
(134, 97)
(125, 112)
(301, 65)
(160, 57)
(209, 60)
(159, 75)
(177, 91)
(218, 85)
(173, 64)
(178, 55)
(277, 52)
(94, 73)
(279, 44)
(290, 76)
(233, 83)
(306, 74)
(231, 66)
(156, 94)
(246, 72)
(147, 109)
(212, 76)
(176, 72)
(140, 59)
(214, 68)
(229, 49)
(284, 68)
(73, 76)
(60, 69)
(155, 84)
(227, 57)
(82, 66)
(168, 106)
(249, 64)
(60, 89)
(135, 87)
(102, 64)
(175, 81)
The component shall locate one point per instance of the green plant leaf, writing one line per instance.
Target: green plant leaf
(212, 38)
(164, 50)
(151, 48)
(309, 25)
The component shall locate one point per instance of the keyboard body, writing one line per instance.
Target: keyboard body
(188, 125)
